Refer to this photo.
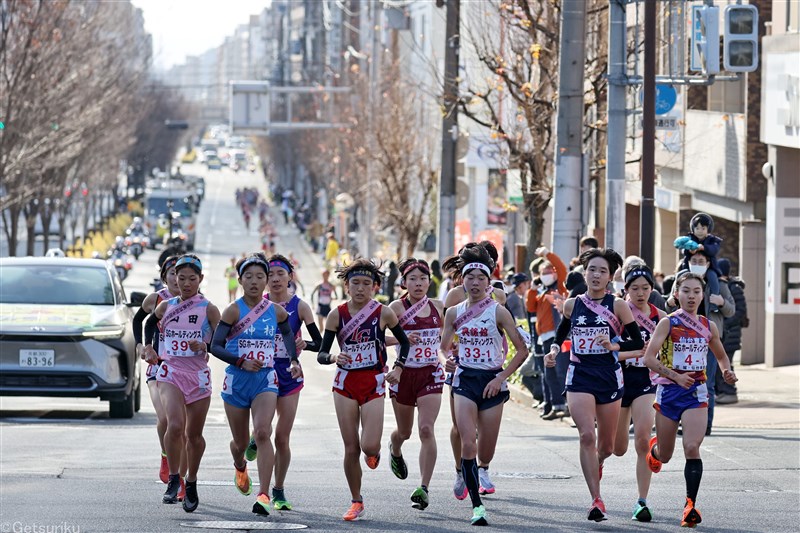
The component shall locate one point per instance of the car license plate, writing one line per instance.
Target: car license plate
(37, 358)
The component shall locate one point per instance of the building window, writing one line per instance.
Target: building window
(727, 96)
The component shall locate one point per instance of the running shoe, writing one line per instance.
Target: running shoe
(163, 472)
(652, 463)
(173, 486)
(597, 511)
(486, 485)
(420, 499)
(262, 504)
(182, 491)
(372, 461)
(242, 480)
(191, 501)
(399, 467)
(460, 486)
(641, 513)
(479, 516)
(251, 453)
(691, 516)
(279, 500)
(355, 512)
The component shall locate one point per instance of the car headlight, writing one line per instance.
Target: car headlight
(106, 332)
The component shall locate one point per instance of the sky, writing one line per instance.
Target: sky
(190, 27)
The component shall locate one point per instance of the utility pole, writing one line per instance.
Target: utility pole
(569, 127)
(615, 144)
(447, 181)
(647, 213)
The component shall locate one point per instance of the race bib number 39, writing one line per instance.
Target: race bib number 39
(584, 343)
(689, 356)
(256, 349)
(176, 342)
(362, 355)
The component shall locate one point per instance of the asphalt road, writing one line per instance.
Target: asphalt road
(64, 464)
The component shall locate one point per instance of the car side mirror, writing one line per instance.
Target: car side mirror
(136, 299)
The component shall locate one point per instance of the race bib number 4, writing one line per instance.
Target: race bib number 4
(338, 379)
(362, 355)
(176, 342)
(689, 356)
(256, 349)
(584, 343)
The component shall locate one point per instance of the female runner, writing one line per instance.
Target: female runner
(594, 378)
(678, 352)
(184, 379)
(358, 386)
(423, 374)
(479, 382)
(245, 339)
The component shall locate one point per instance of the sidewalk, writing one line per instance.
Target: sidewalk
(769, 398)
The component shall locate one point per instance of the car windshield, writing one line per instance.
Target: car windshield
(158, 206)
(55, 285)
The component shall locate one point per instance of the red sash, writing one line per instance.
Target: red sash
(412, 311)
(598, 309)
(251, 317)
(359, 319)
(693, 323)
(176, 311)
(642, 320)
(472, 312)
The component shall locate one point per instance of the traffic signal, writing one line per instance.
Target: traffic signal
(708, 42)
(740, 51)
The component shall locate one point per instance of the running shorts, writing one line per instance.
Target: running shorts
(605, 383)
(240, 387)
(418, 382)
(360, 385)
(323, 309)
(194, 385)
(673, 400)
(287, 385)
(470, 383)
(637, 383)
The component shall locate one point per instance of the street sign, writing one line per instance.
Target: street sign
(696, 64)
(666, 96)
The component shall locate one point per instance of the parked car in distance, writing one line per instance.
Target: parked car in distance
(65, 331)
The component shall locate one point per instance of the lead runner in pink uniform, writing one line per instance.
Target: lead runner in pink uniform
(184, 379)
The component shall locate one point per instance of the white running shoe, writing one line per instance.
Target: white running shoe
(460, 486)
(487, 487)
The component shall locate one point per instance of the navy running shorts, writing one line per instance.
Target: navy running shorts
(470, 383)
(605, 383)
(637, 383)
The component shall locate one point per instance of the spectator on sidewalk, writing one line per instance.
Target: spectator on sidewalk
(390, 281)
(516, 299)
(732, 326)
(586, 243)
(436, 279)
(331, 249)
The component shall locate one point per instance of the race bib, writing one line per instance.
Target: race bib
(338, 379)
(476, 351)
(151, 371)
(426, 351)
(176, 341)
(439, 375)
(163, 372)
(227, 384)
(583, 340)
(324, 299)
(280, 347)
(204, 378)
(362, 355)
(257, 350)
(689, 356)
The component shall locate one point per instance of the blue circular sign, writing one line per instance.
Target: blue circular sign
(666, 97)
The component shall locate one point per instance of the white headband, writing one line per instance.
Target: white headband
(473, 266)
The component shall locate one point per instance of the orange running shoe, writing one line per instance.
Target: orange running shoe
(182, 491)
(652, 463)
(691, 516)
(597, 511)
(242, 480)
(356, 511)
(262, 504)
(372, 461)
(163, 472)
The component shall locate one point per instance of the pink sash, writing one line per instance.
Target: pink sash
(251, 317)
(642, 320)
(610, 317)
(359, 319)
(164, 294)
(472, 312)
(693, 323)
(412, 311)
(176, 311)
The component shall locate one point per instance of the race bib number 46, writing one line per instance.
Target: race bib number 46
(584, 343)
(362, 355)
(176, 342)
(256, 349)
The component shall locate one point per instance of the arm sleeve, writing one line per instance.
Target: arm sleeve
(138, 322)
(401, 337)
(634, 339)
(217, 348)
(288, 339)
(325, 349)
(150, 329)
(563, 330)
(316, 338)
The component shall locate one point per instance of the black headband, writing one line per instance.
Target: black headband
(639, 273)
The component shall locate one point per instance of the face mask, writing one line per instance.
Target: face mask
(619, 286)
(548, 279)
(700, 270)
